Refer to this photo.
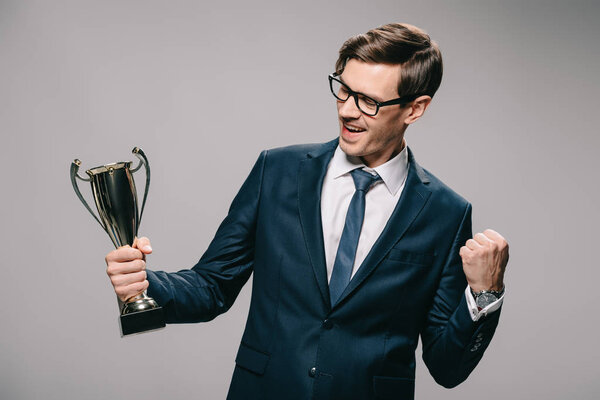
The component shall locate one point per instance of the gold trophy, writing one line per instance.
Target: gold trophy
(115, 195)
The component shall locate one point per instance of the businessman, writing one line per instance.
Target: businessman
(355, 249)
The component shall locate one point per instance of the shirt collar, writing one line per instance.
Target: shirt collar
(393, 173)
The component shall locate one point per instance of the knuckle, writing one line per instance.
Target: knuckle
(117, 280)
(137, 277)
(110, 256)
(112, 269)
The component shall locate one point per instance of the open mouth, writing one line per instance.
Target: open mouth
(353, 129)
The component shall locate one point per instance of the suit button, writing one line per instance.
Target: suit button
(327, 324)
(312, 372)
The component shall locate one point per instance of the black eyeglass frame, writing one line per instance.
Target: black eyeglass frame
(400, 100)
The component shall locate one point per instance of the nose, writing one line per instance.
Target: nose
(348, 109)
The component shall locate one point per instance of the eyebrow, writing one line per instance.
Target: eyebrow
(376, 98)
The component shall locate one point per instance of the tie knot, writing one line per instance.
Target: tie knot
(363, 180)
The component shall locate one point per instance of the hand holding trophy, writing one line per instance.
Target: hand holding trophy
(115, 196)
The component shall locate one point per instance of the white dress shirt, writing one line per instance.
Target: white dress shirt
(380, 201)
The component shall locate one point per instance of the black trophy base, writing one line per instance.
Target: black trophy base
(142, 321)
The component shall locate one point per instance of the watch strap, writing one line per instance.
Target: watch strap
(486, 297)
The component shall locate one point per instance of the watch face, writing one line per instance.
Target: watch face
(485, 299)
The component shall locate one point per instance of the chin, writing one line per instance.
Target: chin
(351, 149)
(354, 150)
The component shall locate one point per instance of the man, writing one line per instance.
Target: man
(355, 249)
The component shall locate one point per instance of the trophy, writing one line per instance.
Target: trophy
(115, 195)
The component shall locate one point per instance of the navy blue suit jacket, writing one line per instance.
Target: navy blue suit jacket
(296, 345)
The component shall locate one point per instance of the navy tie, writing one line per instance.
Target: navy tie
(346, 252)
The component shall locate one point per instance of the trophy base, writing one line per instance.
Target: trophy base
(142, 321)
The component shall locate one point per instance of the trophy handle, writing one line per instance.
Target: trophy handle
(143, 160)
(74, 176)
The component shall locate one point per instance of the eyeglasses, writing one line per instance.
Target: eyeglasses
(365, 104)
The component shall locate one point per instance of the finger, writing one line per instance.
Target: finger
(143, 244)
(127, 292)
(464, 251)
(493, 235)
(137, 288)
(124, 254)
(482, 239)
(126, 267)
(473, 245)
(128, 279)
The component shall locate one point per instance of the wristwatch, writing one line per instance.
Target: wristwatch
(486, 297)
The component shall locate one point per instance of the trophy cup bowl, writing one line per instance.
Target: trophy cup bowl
(115, 195)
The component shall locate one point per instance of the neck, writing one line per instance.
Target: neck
(373, 161)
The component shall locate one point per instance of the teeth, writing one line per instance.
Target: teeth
(354, 129)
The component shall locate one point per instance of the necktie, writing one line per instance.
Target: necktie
(346, 252)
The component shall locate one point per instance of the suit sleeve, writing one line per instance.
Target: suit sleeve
(453, 343)
(212, 285)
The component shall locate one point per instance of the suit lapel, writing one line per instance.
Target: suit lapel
(413, 199)
(310, 181)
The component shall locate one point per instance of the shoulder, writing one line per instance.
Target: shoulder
(296, 153)
(441, 194)
(444, 191)
(302, 150)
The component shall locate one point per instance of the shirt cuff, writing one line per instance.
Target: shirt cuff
(474, 310)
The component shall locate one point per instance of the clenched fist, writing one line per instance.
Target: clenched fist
(484, 261)
(126, 268)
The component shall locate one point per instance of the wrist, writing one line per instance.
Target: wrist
(479, 287)
(484, 298)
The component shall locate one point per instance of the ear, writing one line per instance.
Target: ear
(417, 109)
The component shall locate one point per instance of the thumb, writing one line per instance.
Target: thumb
(143, 244)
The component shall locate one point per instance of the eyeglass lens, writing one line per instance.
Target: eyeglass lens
(342, 93)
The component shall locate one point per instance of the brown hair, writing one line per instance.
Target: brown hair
(419, 56)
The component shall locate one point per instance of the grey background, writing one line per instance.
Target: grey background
(203, 88)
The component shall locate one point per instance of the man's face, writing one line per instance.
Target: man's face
(379, 138)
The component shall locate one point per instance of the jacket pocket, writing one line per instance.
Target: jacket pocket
(410, 257)
(389, 387)
(252, 360)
